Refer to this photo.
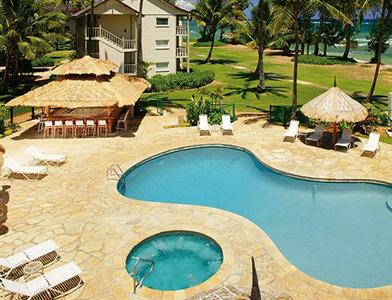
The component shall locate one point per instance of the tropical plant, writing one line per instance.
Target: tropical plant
(24, 28)
(212, 14)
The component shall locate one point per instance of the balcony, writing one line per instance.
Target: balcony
(130, 69)
(181, 52)
(181, 30)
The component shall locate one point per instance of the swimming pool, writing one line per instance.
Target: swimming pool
(177, 260)
(336, 232)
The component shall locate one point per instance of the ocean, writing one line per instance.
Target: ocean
(361, 52)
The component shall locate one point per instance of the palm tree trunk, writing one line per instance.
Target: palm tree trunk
(380, 36)
(318, 35)
(347, 37)
(91, 25)
(139, 59)
(208, 59)
(295, 72)
(325, 49)
(260, 64)
(4, 87)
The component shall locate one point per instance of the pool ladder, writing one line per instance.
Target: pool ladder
(114, 172)
(136, 283)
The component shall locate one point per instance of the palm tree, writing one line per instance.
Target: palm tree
(288, 14)
(213, 13)
(351, 9)
(261, 34)
(139, 59)
(24, 26)
(385, 15)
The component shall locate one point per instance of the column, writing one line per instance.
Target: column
(188, 24)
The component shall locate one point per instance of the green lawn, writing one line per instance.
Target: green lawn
(233, 67)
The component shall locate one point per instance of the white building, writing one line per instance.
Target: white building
(165, 34)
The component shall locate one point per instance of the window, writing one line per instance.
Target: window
(162, 22)
(162, 44)
(162, 67)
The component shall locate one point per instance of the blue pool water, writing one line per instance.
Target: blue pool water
(336, 232)
(181, 260)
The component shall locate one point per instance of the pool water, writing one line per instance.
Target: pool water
(339, 233)
(181, 260)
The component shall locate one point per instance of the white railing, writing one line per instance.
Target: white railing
(182, 30)
(181, 52)
(126, 44)
(130, 69)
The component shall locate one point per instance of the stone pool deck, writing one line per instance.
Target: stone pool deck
(96, 227)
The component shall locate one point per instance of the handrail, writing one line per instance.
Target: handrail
(115, 170)
(136, 284)
(99, 32)
(181, 52)
(181, 30)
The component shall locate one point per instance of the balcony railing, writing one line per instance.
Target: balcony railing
(181, 52)
(182, 30)
(126, 44)
(130, 69)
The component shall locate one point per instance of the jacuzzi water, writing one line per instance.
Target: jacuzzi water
(339, 233)
(180, 260)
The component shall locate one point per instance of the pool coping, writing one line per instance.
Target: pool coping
(219, 277)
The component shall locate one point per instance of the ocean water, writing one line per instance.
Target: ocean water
(360, 53)
(336, 232)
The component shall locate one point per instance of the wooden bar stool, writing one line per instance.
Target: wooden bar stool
(79, 128)
(102, 128)
(90, 128)
(48, 128)
(69, 128)
(58, 128)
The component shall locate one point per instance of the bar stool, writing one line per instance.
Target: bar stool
(102, 128)
(69, 128)
(79, 128)
(58, 128)
(90, 128)
(48, 128)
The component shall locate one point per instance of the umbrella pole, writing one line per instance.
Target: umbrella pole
(335, 131)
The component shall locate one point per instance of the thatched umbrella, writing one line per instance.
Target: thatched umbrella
(103, 89)
(335, 106)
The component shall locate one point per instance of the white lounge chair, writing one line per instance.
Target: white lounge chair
(44, 252)
(292, 132)
(226, 126)
(55, 284)
(373, 144)
(11, 166)
(345, 140)
(203, 125)
(45, 157)
(317, 135)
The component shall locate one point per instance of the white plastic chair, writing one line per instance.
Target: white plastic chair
(69, 128)
(203, 126)
(79, 128)
(226, 126)
(90, 128)
(292, 132)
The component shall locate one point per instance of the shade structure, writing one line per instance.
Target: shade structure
(335, 106)
(85, 91)
(85, 66)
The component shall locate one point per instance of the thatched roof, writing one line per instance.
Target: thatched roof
(78, 91)
(335, 106)
(85, 66)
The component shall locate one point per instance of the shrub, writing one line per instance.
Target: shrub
(324, 60)
(3, 117)
(44, 61)
(181, 80)
(204, 106)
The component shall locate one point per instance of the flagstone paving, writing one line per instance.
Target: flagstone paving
(76, 206)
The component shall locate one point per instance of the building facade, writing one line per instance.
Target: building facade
(165, 36)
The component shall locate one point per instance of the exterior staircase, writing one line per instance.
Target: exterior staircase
(122, 44)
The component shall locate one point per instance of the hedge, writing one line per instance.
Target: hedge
(324, 60)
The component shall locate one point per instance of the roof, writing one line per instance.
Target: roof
(99, 2)
(85, 66)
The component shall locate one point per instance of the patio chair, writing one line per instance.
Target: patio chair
(203, 125)
(317, 135)
(292, 132)
(46, 158)
(48, 128)
(102, 128)
(44, 252)
(58, 128)
(79, 128)
(55, 284)
(372, 145)
(11, 166)
(123, 120)
(226, 126)
(345, 140)
(90, 128)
